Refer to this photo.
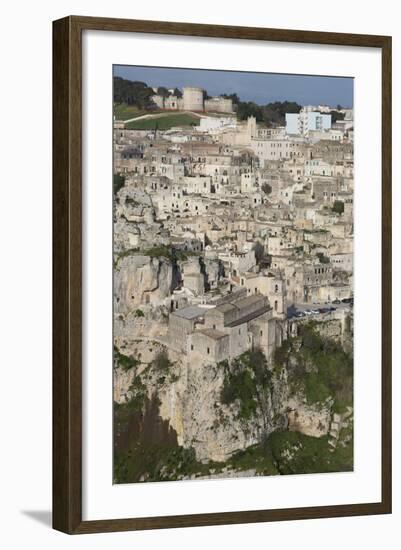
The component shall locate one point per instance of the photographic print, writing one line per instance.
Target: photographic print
(233, 274)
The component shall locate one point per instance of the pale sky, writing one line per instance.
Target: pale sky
(261, 88)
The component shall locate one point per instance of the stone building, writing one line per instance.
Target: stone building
(219, 105)
(277, 149)
(269, 285)
(235, 327)
(182, 323)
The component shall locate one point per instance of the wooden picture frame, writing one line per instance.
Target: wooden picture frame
(67, 274)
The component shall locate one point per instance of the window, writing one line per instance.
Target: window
(208, 351)
(192, 347)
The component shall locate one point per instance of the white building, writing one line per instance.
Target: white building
(305, 120)
(211, 124)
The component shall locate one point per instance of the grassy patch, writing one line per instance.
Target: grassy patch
(256, 457)
(296, 453)
(159, 252)
(122, 111)
(164, 122)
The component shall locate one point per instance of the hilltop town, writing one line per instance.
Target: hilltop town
(233, 239)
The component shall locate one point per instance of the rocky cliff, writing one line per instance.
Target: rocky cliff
(216, 411)
(141, 279)
(190, 398)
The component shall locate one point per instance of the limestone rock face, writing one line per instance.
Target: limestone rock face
(134, 205)
(130, 328)
(127, 235)
(309, 420)
(193, 408)
(141, 280)
(189, 398)
(121, 384)
(212, 271)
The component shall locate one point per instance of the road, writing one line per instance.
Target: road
(299, 310)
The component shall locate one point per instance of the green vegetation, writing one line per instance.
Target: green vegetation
(296, 453)
(139, 313)
(159, 252)
(169, 252)
(336, 115)
(246, 381)
(338, 207)
(120, 255)
(163, 91)
(235, 99)
(170, 462)
(178, 463)
(118, 183)
(322, 258)
(161, 362)
(125, 362)
(132, 202)
(315, 231)
(318, 367)
(258, 457)
(122, 111)
(272, 114)
(266, 188)
(133, 93)
(164, 122)
(259, 250)
(147, 448)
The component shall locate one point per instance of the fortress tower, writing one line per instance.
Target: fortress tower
(193, 99)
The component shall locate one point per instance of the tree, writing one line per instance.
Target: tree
(235, 99)
(259, 250)
(249, 108)
(322, 258)
(248, 381)
(335, 115)
(118, 183)
(177, 93)
(162, 362)
(266, 188)
(132, 93)
(338, 207)
(208, 242)
(274, 113)
(161, 90)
